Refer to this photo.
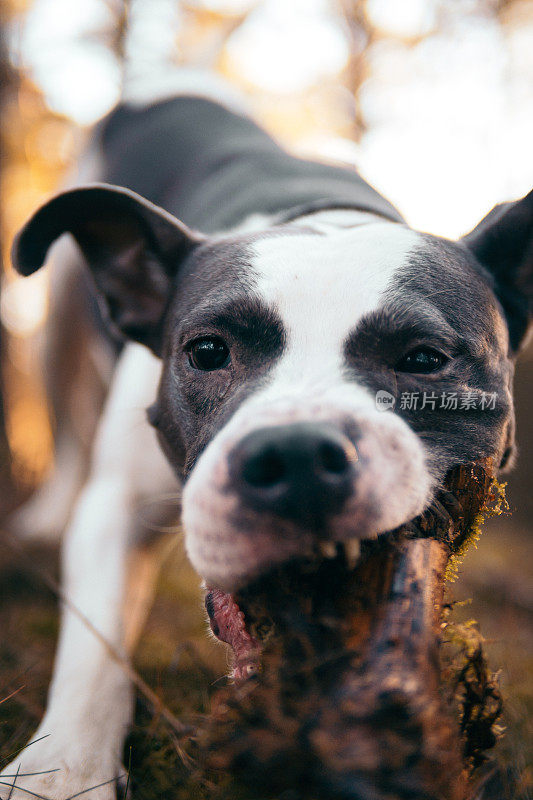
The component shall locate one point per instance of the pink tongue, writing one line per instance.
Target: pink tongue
(228, 624)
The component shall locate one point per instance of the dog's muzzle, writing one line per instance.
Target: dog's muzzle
(294, 479)
(303, 472)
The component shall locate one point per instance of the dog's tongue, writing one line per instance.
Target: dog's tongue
(228, 624)
(293, 596)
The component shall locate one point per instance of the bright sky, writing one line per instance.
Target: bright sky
(450, 120)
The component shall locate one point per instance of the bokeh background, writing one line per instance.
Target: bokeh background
(432, 99)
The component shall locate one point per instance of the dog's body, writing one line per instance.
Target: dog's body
(272, 331)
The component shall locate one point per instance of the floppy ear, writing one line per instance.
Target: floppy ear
(133, 248)
(503, 243)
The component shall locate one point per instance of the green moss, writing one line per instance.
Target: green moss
(494, 505)
(474, 689)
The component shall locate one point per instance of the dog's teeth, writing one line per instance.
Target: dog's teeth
(352, 549)
(328, 549)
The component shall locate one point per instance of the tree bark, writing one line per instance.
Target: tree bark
(350, 701)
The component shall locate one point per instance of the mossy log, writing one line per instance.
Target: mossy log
(349, 701)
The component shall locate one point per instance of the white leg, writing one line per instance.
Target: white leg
(89, 707)
(77, 363)
(44, 516)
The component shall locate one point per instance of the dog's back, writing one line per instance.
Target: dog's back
(213, 167)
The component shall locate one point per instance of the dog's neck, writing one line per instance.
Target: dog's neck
(335, 218)
(322, 221)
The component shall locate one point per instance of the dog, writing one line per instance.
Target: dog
(312, 368)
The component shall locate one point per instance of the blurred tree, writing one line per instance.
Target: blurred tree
(36, 149)
(117, 33)
(361, 35)
(205, 32)
(114, 35)
(6, 84)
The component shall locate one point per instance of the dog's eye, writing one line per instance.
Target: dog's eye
(421, 361)
(208, 354)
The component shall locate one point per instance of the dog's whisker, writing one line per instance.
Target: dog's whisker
(173, 529)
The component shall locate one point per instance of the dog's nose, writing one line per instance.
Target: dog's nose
(302, 471)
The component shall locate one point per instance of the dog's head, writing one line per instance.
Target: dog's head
(316, 387)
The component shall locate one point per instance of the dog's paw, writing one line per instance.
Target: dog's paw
(59, 776)
(39, 519)
(44, 515)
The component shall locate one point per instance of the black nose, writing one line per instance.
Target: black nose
(302, 471)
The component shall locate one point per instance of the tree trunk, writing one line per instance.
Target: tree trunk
(5, 84)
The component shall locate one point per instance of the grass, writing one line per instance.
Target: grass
(185, 667)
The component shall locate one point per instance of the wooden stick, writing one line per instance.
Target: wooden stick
(350, 703)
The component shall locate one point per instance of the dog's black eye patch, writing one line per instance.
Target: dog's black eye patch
(208, 353)
(421, 361)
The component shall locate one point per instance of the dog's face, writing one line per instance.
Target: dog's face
(317, 385)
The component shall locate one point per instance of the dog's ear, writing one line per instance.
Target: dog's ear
(503, 243)
(133, 248)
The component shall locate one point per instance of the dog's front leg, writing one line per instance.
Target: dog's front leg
(90, 701)
(89, 704)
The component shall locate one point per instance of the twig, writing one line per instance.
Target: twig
(158, 705)
(92, 788)
(16, 691)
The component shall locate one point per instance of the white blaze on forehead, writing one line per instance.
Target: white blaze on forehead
(322, 286)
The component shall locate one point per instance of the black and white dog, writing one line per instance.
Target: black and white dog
(282, 305)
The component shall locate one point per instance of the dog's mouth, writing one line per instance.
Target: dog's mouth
(234, 618)
(311, 591)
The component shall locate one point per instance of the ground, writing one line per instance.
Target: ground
(185, 666)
